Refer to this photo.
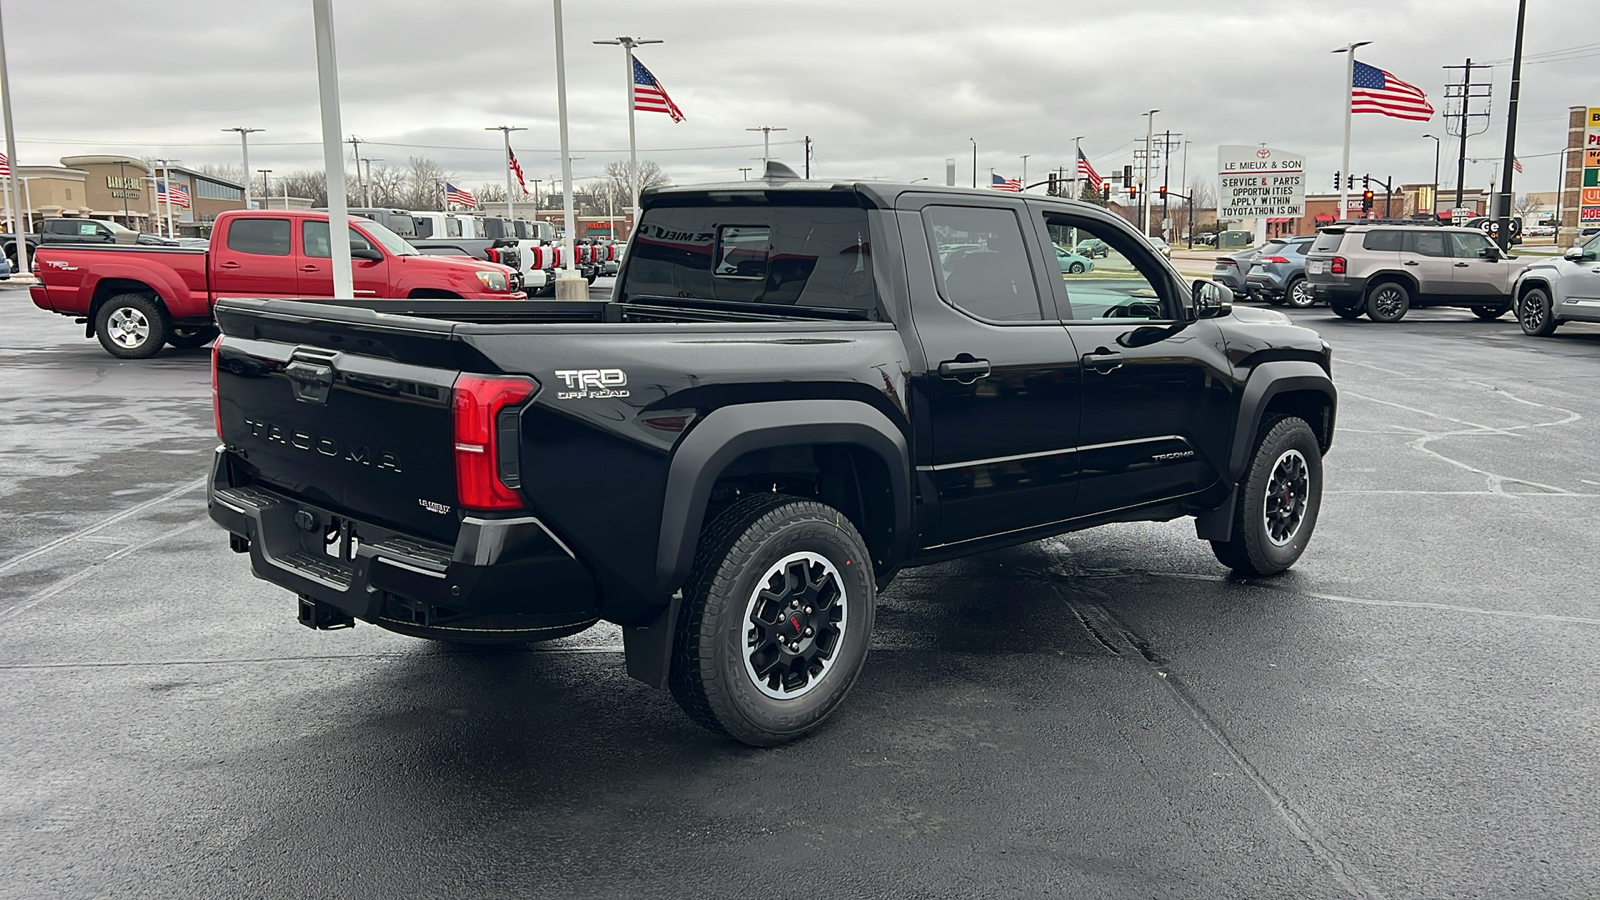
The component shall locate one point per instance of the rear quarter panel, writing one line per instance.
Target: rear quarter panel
(72, 275)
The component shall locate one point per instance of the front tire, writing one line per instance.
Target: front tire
(776, 620)
(132, 326)
(1535, 315)
(1278, 502)
(1388, 301)
(1075, 268)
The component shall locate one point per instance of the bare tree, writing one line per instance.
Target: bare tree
(1528, 207)
(311, 184)
(614, 183)
(386, 185)
(227, 172)
(490, 193)
(1201, 198)
(424, 184)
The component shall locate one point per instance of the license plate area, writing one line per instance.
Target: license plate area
(1314, 267)
(330, 539)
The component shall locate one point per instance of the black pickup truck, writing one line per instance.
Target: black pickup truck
(797, 390)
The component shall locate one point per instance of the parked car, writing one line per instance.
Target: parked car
(135, 299)
(1161, 246)
(1234, 268)
(1552, 291)
(788, 400)
(1092, 248)
(1072, 263)
(1279, 277)
(1383, 271)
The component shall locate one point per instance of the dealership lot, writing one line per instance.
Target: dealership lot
(1409, 712)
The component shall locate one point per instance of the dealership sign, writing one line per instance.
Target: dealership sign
(1255, 182)
(1589, 204)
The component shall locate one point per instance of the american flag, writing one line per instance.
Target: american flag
(178, 195)
(1004, 184)
(516, 169)
(1377, 91)
(5, 166)
(650, 96)
(1087, 172)
(1516, 164)
(453, 194)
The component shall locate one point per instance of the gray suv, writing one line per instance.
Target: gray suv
(1552, 291)
(1385, 271)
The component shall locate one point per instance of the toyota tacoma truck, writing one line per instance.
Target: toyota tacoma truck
(135, 299)
(797, 390)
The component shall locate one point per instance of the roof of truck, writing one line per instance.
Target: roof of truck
(880, 194)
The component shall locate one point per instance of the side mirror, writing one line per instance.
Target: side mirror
(1491, 254)
(1575, 254)
(1212, 300)
(359, 250)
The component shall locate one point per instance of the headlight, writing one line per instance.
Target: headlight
(492, 281)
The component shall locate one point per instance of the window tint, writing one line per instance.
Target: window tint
(1430, 243)
(314, 239)
(982, 263)
(1328, 240)
(1383, 240)
(262, 237)
(1300, 247)
(1125, 280)
(422, 227)
(797, 256)
(452, 226)
(1469, 246)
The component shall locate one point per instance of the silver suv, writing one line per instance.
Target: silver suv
(1552, 291)
(1385, 271)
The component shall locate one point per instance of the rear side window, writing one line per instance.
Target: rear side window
(817, 257)
(981, 262)
(1431, 243)
(1390, 241)
(1328, 240)
(261, 237)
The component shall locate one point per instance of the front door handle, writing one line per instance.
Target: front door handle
(311, 268)
(228, 265)
(1461, 265)
(965, 371)
(1103, 361)
(1412, 262)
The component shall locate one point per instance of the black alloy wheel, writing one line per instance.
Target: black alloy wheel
(1534, 313)
(1388, 302)
(776, 620)
(1278, 501)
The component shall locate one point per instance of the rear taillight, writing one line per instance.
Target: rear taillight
(1272, 259)
(492, 254)
(481, 475)
(216, 397)
(1225, 261)
(1337, 265)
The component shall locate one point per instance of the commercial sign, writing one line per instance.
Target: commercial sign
(1589, 202)
(1256, 182)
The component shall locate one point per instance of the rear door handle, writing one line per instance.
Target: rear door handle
(1412, 262)
(311, 268)
(1103, 361)
(228, 265)
(965, 371)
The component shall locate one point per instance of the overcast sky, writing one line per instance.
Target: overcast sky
(886, 89)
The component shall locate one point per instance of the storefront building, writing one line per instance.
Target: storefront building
(121, 189)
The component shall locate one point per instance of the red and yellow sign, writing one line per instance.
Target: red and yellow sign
(1589, 211)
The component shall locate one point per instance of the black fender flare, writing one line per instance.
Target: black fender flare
(732, 431)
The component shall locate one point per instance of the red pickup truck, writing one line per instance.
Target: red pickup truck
(135, 299)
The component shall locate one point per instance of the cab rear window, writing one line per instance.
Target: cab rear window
(816, 257)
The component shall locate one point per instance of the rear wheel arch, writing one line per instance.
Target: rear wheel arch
(106, 288)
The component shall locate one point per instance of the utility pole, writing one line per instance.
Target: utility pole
(244, 147)
(1464, 93)
(11, 157)
(506, 131)
(1503, 218)
(361, 185)
(366, 184)
(1144, 183)
(1166, 174)
(1077, 151)
(627, 43)
(808, 156)
(266, 187)
(766, 142)
(974, 161)
(1434, 201)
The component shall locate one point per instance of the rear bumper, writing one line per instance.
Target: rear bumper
(507, 575)
(1346, 292)
(1265, 283)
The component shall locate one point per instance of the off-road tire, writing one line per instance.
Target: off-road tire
(709, 677)
(1252, 549)
(188, 337)
(1296, 295)
(1347, 312)
(1490, 313)
(1536, 314)
(132, 326)
(1388, 301)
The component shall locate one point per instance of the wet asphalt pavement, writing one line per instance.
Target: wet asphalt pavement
(1413, 711)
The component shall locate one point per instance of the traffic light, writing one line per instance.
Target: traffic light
(1336, 181)
(1163, 192)
(1105, 192)
(1350, 182)
(1127, 174)
(1366, 182)
(1133, 192)
(1366, 200)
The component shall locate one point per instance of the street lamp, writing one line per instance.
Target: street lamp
(766, 141)
(746, 171)
(1433, 198)
(1144, 183)
(506, 131)
(974, 161)
(366, 182)
(627, 43)
(244, 147)
(1349, 85)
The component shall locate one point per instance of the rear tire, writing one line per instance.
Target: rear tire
(1388, 301)
(1490, 313)
(132, 326)
(191, 336)
(1298, 294)
(1278, 502)
(1534, 313)
(776, 620)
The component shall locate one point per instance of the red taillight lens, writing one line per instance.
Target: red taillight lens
(216, 398)
(1273, 259)
(1337, 265)
(492, 254)
(477, 401)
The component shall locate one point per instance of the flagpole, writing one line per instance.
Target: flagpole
(11, 159)
(1077, 154)
(1349, 102)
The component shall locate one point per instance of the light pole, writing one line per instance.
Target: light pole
(266, 186)
(332, 146)
(746, 171)
(974, 161)
(1025, 170)
(11, 155)
(1507, 194)
(628, 43)
(1433, 197)
(506, 131)
(766, 142)
(366, 182)
(244, 148)
(1144, 183)
(1077, 151)
(1349, 85)
(569, 284)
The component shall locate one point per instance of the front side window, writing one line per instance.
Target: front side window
(1470, 246)
(260, 237)
(981, 262)
(1125, 282)
(314, 240)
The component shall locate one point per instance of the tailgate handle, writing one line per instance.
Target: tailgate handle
(311, 381)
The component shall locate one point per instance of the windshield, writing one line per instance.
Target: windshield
(391, 242)
(117, 229)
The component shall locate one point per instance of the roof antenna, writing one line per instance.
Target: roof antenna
(777, 171)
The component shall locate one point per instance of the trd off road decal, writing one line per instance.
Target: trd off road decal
(592, 384)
